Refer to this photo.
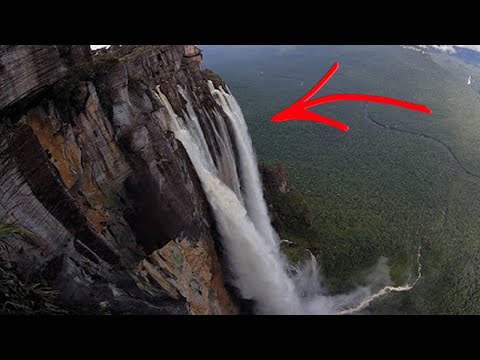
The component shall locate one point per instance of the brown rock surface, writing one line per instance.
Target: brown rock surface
(276, 176)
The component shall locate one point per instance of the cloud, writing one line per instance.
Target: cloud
(473, 47)
(445, 48)
(95, 47)
(451, 49)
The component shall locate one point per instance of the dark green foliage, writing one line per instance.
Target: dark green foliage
(78, 98)
(292, 215)
(215, 78)
(23, 298)
(169, 72)
(291, 211)
(104, 98)
(70, 92)
(138, 51)
(17, 296)
(135, 85)
(102, 65)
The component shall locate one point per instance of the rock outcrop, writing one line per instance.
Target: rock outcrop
(114, 213)
(276, 177)
(287, 205)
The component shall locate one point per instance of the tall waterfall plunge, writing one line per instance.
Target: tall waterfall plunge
(260, 270)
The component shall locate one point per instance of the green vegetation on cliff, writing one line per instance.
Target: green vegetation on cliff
(7, 229)
(69, 91)
(16, 296)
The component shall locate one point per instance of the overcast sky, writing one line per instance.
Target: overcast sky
(474, 47)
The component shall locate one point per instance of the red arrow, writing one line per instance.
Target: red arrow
(298, 110)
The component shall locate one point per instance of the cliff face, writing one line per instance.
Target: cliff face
(25, 69)
(113, 211)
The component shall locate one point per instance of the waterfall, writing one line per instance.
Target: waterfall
(260, 271)
(258, 265)
(253, 193)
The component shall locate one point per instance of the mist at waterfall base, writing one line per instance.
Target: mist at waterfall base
(231, 182)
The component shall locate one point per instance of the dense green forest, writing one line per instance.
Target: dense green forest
(375, 191)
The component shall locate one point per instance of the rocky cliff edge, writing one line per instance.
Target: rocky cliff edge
(110, 211)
